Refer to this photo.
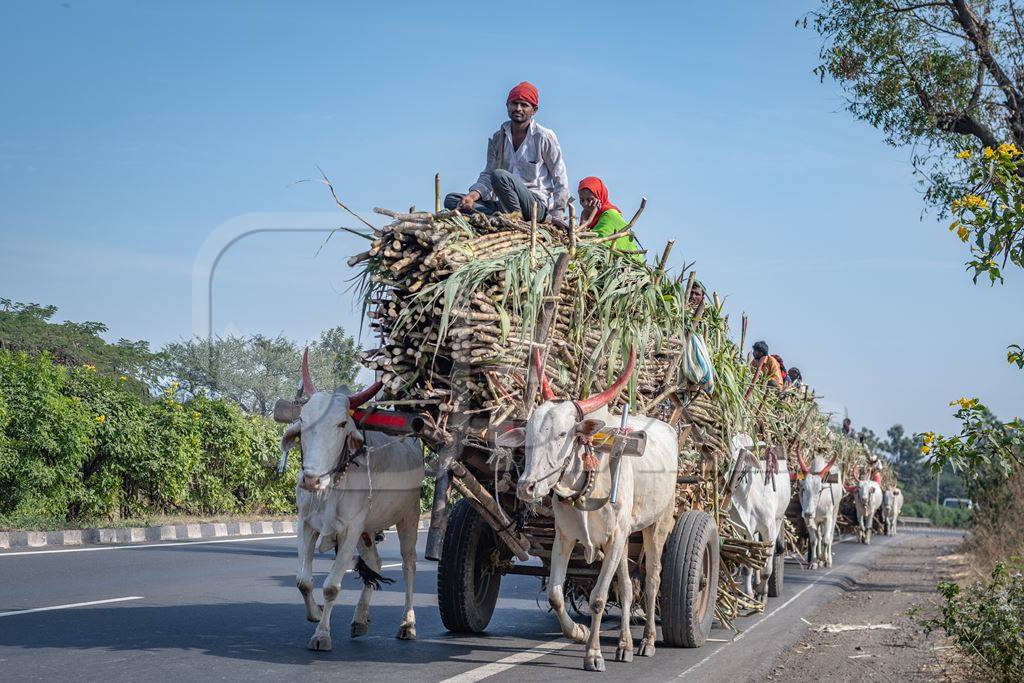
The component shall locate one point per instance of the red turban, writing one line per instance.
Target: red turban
(596, 185)
(526, 92)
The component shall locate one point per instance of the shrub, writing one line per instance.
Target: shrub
(77, 445)
(986, 622)
(941, 516)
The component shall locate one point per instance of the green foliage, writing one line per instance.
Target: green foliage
(986, 622)
(984, 443)
(27, 327)
(76, 444)
(956, 518)
(990, 218)
(254, 371)
(934, 75)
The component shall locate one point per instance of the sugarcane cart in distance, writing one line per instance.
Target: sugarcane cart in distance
(462, 304)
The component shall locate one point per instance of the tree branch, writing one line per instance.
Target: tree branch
(978, 34)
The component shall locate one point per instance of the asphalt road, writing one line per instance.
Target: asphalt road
(229, 610)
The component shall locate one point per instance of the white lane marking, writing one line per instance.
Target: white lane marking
(153, 545)
(143, 545)
(482, 672)
(69, 606)
(759, 622)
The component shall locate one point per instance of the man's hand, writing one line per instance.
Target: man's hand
(469, 201)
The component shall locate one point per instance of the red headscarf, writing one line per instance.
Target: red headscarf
(596, 185)
(526, 92)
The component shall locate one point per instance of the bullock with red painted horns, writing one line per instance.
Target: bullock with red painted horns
(352, 485)
(820, 494)
(599, 503)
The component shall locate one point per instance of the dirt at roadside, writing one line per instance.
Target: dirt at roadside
(902, 574)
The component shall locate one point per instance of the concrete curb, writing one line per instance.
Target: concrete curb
(16, 540)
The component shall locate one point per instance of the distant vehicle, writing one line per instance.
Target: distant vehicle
(962, 503)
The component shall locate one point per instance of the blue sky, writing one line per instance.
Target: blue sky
(132, 132)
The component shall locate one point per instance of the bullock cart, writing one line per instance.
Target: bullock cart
(473, 314)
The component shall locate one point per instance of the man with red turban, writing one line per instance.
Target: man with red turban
(602, 217)
(524, 166)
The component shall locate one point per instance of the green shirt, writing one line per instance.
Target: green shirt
(611, 222)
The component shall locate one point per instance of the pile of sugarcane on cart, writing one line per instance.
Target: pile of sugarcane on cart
(479, 317)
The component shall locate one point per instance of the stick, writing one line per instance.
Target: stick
(661, 262)
(437, 192)
(689, 287)
(572, 231)
(629, 226)
(533, 237)
(743, 335)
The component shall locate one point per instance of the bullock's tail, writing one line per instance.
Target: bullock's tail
(371, 579)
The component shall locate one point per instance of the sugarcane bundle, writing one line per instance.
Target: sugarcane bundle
(460, 303)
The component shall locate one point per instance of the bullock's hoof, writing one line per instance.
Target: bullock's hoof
(320, 642)
(315, 615)
(407, 632)
(624, 654)
(580, 633)
(646, 648)
(593, 663)
(359, 628)
(812, 565)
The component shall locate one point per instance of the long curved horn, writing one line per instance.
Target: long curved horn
(589, 405)
(800, 461)
(545, 386)
(828, 466)
(307, 382)
(360, 397)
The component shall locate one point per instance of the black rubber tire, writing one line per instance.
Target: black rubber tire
(466, 595)
(690, 558)
(778, 577)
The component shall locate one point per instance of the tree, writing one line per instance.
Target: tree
(938, 75)
(28, 327)
(255, 370)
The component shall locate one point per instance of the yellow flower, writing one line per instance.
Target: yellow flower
(195, 414)
(1008, 149)
(965, 403)
(90, 368)
(928, 437)
(926, 449)
(989, 153)
(954, 225)
(123, 378)
(101, 418)
(965, 154)
(963, 233)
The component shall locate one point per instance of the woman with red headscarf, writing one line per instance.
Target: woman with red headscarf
(602, 217)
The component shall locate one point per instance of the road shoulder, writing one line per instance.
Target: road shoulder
(866, 631)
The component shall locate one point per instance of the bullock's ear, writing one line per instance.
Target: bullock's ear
(513, 438)
(589, 427)
(355, 440)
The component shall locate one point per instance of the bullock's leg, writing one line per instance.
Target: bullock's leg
(407, 530)
(304, 577)
(561, 549)
(361, 616)
(624, 653)
(613, 551)
(829, 534)
(654, 544)
(812, 543)
(347, 540)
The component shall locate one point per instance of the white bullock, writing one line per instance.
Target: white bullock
(351, 486)
(555, 439)
(868, 499)
(759, 501)
(892, 505)
(819, 503)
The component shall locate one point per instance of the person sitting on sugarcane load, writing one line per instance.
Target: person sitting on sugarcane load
(602, 217)
(524, 166)
(794, 378)
(768, 365)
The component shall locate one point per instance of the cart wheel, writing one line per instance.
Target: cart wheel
(689, 580)
(776, 580)
(467, 580)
